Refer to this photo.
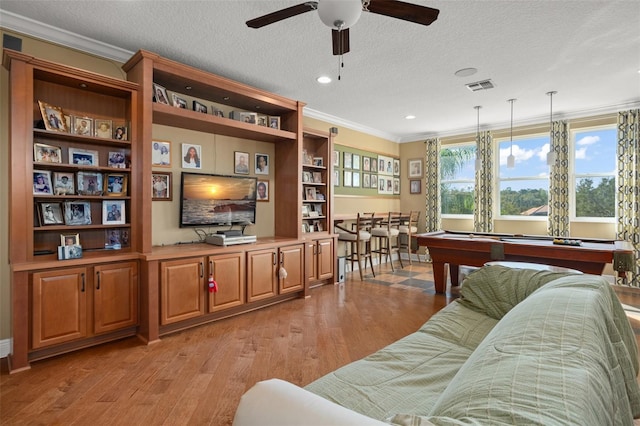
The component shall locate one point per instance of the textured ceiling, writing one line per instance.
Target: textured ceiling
(588, 51)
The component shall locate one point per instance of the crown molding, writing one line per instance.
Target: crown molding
(308, 112)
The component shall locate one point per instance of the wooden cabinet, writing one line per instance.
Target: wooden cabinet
(228, 271)
(262, 282)
(320, 259)
(182, 292)
(292, 260)
(73, 303)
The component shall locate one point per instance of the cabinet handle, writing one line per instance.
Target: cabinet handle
(274, 257)
(98, 286)
(319, 248)
(211, 267)
(201, 269)
(282, 258)
(82, 282)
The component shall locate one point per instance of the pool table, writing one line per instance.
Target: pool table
(475, 249)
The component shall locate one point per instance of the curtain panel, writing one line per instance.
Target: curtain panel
(483, 196)
(559, 213)
(432, 185)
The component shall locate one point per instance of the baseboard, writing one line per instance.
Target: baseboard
(5, 348)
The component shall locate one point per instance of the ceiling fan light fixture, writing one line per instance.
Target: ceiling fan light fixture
(339, 14)
(410, 117)
(323, 79)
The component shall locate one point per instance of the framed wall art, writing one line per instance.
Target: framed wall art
(241, 163)
(161, 153)
(161, 186)
(415, 167)
(415, 186)
(191, 156)
(262, 190)
(262, 164)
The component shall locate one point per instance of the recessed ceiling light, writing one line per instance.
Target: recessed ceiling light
(466, 72)
(410, 117)
(323, 79)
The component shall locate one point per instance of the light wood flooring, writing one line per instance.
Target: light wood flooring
(196, 377)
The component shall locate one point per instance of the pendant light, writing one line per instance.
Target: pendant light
(478, 160)
(511, 159)
(551, 155)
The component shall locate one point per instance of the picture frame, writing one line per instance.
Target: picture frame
(117, 160)
(346, 181)
(89, 183)
(51, 213)
(249, 117)
(262, 163)
(43, 153)
(385, 165)
(178, 102)
(263, 120)
(415, 167)
(366, 164)
(241, 163)
(307, 177)
(274, 122)
(77, 213)
(374, 165)
(103, 129)
(160, 153)
(396, 185)
(262, 190)
(191, 155)
(346, 160)
(199, 107)
(355, 180)
(317, 177)
(64, 183)
(336, 178)
(82, 126)
(160, 94)
(84, 157)
(336, 159)
(318, 161)
(42, 182)
(120, 132)
(115, 184)
(305, 210)
(396, 167)
(69, 239)
(112, 239)
(113, 212)
(415, 186)
(374, 181)
(310, 193)
(69, 252)
(366, 180)
(355, 161)
(53, 118)
(161, 183)
(217, 111)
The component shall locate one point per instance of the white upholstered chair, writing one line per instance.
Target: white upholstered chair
(359, 239)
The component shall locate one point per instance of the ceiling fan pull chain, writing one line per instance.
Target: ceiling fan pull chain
(340, 66)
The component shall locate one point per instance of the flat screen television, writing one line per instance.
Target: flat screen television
(210, 200)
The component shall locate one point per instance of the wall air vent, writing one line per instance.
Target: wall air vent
(480, 85)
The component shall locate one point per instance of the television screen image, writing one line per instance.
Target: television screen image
(207, 199)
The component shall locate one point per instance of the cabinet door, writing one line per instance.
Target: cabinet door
(115, 296)
(325, 259)
(292, 259)
(59, 306)
(182, 292)
(228, 272)
(261, 274)
(311, 260)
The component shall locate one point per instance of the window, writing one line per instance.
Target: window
(524, 189)
(457, 179)
(594, 159)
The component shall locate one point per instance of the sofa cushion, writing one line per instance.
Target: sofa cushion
(495, 290)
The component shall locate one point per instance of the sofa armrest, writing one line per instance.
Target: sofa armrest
(276, 402)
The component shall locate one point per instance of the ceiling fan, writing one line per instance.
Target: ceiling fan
(339, 15)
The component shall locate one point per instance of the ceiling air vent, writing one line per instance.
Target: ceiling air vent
(480, 85)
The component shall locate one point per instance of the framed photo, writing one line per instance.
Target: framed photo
(77, 213)
(336, 178)
(374, 181)
(415, 186)
(160, 94)
(89, 183)
(178, 102)
(198, 107)
(63, 183)
(120, 132)
(355, 162)
(42, 182)
(117, 160)
(51, 213)
(249, 117)
(161, 153)
(385, 165)
(262, 190)
(83, 157)
(113, 212)
(307, 177)
(263, 120)
(262, 164)
(347, 178)
(346, 160)
(217, 111)
(396, 185)
(366, 164)
(317, 177)
(318, 161)
(241, 163)
(191, 156)
(336, 159)
(53, 117)
(415, 168)
(396, 167)
(374, 165)
(310, 193)
(69, 239)
(355, 180)
(104, 129)
(82, 126)
(69, 252)
(161, 186)
(366, 180)
(46, 153)
(274, 122)
(305, 210)
(115, 185)
(112, 239)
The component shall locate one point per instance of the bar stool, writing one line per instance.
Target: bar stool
(408, 228)
(359, 238)
(386, 234)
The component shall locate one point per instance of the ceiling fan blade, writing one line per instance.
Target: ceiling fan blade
(406, 11)
(281, 14)
(340, 41)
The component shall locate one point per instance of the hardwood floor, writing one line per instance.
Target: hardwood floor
(196, 377)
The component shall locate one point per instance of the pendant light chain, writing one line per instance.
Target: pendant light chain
(511, 160)
(551, 156)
